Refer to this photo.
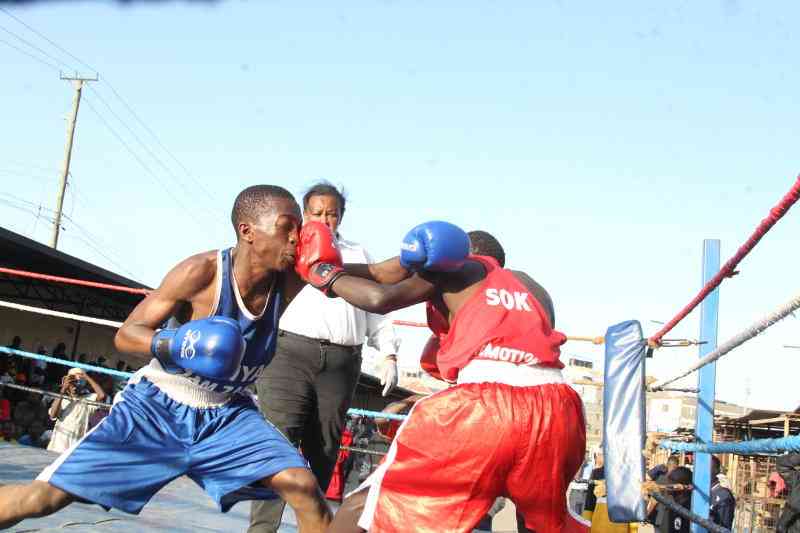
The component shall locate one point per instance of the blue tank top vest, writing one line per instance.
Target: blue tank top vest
(259, 332)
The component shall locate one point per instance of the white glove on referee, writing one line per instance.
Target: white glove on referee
(389, 378)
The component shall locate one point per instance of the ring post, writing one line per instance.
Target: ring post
(704, 425)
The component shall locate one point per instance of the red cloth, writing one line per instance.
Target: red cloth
(462, 447)
(776, 485)
(5, 410)
(335, 490)
(501, 321)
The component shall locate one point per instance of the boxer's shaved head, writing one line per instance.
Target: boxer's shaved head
(484, 243)
(254, 201)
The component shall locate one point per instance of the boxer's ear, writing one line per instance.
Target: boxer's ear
(244, 232)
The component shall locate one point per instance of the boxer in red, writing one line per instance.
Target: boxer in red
(510, 425)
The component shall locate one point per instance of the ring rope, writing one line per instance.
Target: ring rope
(60, 314)
(688, 515)
(123, 288)
(126, 375)
(73, 281)
(362, 450)
(593, 340)
(55, 395)
(375, 414)
(48, 359)
(745, 447)
(737, 340)
(727, 270)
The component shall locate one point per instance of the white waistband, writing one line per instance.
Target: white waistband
(180, 388)
(487, 371)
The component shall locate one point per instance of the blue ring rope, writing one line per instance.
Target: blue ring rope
(126, 375)
(746, 447)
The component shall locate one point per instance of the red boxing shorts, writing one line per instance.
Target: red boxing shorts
(461, 448)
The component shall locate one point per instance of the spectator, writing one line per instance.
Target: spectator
(663, 469)
(788, 467)
(659, 474)
(668, 521)
(723, 504)
(8, 431)
(72, 416)
(16, 344)
(28, 410)
(39, 369)
(309, 384)
(33, 437)
(5, 405)
(597, 474)
(485, 525)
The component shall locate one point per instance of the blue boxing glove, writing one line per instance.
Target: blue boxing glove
(434, 246)
(211, 347)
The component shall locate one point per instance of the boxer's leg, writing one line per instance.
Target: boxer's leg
(34, 500)
(346, 518)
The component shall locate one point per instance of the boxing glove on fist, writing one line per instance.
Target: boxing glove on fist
(434, 246)
(319, 261)
(211, 347)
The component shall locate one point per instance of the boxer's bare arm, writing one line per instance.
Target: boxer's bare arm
(381, 299)
(388, 272)
(180, 286)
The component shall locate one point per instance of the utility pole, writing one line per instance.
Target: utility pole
(77, 83)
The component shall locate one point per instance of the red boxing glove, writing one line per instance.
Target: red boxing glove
(319, 261)
(427, 360)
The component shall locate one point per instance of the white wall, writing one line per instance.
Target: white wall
(40, 330)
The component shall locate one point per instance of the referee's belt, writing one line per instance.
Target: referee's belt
(316, 342)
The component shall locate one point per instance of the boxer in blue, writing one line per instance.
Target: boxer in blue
(186, 412)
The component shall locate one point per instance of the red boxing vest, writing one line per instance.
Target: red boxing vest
(502, 321)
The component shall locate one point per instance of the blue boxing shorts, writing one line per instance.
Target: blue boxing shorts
(149, 439)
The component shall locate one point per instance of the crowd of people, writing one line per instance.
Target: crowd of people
(45, 420)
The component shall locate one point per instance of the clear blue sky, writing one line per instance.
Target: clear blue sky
(600, 142)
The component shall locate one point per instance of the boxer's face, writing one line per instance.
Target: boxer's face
(275, 233)
(325, 209)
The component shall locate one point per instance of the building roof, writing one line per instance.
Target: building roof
(20, 252)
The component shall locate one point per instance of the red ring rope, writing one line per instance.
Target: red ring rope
(727, 270)
(72, 281)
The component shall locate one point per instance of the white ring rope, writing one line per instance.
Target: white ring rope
(734, 342)
(61, 314)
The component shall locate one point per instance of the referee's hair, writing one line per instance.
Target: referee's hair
(326, 188)
(484, 243)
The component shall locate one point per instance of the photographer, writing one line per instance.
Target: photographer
(72, 416)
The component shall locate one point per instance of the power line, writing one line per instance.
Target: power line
(191, 176)
(53, 43)
(148, 150)
(21, 208)
(20, 50)
(28, 165)
(24, 201)
(139, 160)
(198, 183)
(98, 251)
(21, 175)
(57, 60)
(89, 235)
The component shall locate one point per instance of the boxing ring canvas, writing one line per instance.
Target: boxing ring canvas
(180, 507)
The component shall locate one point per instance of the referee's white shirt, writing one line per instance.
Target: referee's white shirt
(314, 315)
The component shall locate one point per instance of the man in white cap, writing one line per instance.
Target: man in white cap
(72, 415)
